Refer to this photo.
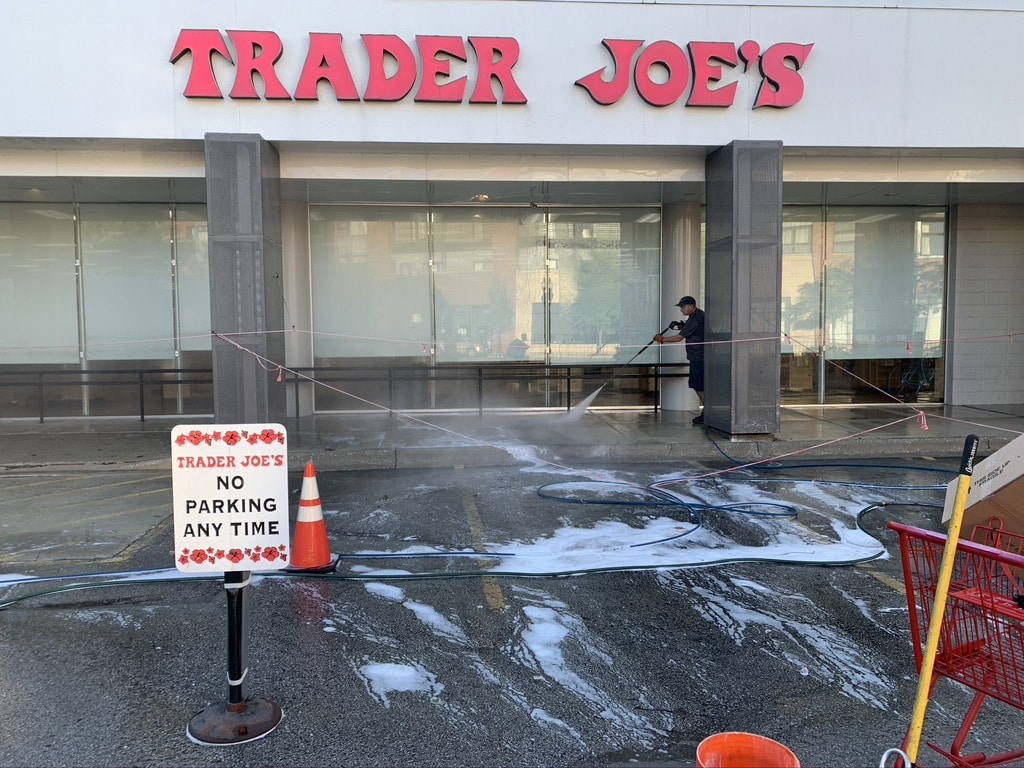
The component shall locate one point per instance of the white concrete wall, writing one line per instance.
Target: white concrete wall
(876, 77)
(988, 306)
(680, 275)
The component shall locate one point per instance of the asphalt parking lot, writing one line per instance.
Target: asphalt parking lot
(486, 616)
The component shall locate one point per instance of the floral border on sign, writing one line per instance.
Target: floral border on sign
(236, 555)
(230, 437)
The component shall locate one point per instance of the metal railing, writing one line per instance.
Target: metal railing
(548, 386)
(53, 386)
(446, 386)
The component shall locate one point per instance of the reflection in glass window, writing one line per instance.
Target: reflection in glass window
(865, 293)
(802, 235)
(489, 273)
(604, 283)
(481, 285)
(884, 295)
(506, 284)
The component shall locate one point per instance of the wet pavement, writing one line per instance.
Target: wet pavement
(435, 440)
(520, 590)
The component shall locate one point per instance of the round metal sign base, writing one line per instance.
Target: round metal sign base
(223, 723)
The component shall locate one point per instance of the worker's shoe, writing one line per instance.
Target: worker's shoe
(699, 418)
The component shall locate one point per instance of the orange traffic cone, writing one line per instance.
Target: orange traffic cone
(310, 548)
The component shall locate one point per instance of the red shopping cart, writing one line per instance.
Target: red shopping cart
(981, 641)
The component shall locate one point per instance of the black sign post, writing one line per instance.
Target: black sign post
(241, 718)
(231, 517)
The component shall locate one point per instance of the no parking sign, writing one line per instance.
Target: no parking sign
(230, 497)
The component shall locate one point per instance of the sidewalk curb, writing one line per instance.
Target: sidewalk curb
(514, 455)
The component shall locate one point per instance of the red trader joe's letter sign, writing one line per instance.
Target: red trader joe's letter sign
(230, 497)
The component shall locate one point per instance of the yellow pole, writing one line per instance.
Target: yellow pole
(913, 741)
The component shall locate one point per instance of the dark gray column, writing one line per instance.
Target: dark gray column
(743, 286)
(243, 199)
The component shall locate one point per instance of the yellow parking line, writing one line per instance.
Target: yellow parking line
(134, 513)
(62, 490)
(492, 587)
(884, 578)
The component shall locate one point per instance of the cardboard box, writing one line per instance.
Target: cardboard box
(997, 490)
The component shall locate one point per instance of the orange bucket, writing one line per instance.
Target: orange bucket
(736, 749)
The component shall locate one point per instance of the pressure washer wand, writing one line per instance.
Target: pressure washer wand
(634, 357)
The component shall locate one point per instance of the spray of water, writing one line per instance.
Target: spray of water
(577, 411)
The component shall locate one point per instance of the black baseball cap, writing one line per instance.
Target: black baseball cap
(686, 301)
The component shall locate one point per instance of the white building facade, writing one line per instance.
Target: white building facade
(480, 204)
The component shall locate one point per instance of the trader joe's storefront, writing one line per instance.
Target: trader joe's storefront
(488, 305)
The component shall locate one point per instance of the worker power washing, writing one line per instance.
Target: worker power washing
(690, 331)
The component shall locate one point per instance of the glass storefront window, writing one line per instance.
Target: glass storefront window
(190, 392)
(38, 289)
(126, 276)
(370, 282)
(604, 272)
(192, 276)
(862, 303)
(479, 285)
(489, 275)
(85, 333)
(370, 287)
